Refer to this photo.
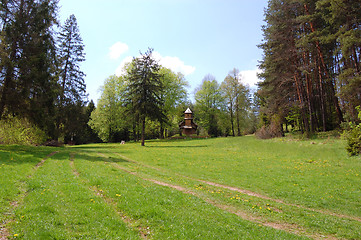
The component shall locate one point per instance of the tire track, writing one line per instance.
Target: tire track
(4, 232)
(143, 231)
(290, 228)
(248, 192)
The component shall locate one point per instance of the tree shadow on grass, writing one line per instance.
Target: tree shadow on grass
(199, 146)
(17, 155)
(86, 157)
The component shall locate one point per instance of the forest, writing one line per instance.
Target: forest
(311, 65)
(310, 80)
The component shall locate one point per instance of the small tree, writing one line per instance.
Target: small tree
(353, 136)
(144, 90)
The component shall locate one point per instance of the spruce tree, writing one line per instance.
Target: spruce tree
(71, 54)
(71, 78)
(144, 90)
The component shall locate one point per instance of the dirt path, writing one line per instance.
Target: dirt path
(291, 228)
(4, 232)
(248, 192)
(281, 226)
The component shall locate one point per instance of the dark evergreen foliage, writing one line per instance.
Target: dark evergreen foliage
(40, 77)
(28, 80)
(71, 81)
(144, 90)
(311, 64)
(71, 54)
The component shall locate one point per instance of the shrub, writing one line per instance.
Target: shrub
(272, 130)
(15, 130)
(352, 133)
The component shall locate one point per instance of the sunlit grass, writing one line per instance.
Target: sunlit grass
(167, 213)
(60, 206)
(107, 191)
(315, 173)
(16, 164)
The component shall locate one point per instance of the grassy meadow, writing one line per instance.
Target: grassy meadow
(221, 188)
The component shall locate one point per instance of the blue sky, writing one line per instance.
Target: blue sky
(195, 37)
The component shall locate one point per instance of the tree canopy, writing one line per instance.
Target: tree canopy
(40, 76)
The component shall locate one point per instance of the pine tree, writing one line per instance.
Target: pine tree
(144, 90)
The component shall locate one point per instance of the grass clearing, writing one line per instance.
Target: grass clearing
(16, 164)
(58, 205)
(222, 188)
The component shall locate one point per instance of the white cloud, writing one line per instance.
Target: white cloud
(120, 70)
(173, 63)
(249, 77)
(117, 50)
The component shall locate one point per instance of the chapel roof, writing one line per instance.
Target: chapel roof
(188, 111)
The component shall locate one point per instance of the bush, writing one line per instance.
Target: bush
(352, 133)
(273, 130)
(354, 141)
(14, 130)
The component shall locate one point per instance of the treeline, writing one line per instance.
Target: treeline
(225, 109)
(153, 96)
(40, 76)
(311, 65)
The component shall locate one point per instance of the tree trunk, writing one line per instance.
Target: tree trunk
(231, 109)
(322, 98)
(143, 130)
(161, 131)
(320, 54)
(135, 138)
(300, 100)
(237, 119)
(309, 93)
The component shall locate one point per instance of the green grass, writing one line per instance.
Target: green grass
(16, 164)
(58, 205)
(308, 188)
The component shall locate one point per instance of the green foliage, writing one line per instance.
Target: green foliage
(41, 78)
(271, 130)
(144, 90)
(208, 106)
(110, 120)
(29, 65)
(70, 56)
(225, 109)
(15, 130)
(353, 136)
(236, 100)
(175, 100)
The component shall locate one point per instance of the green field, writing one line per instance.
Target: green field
(221, 188)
